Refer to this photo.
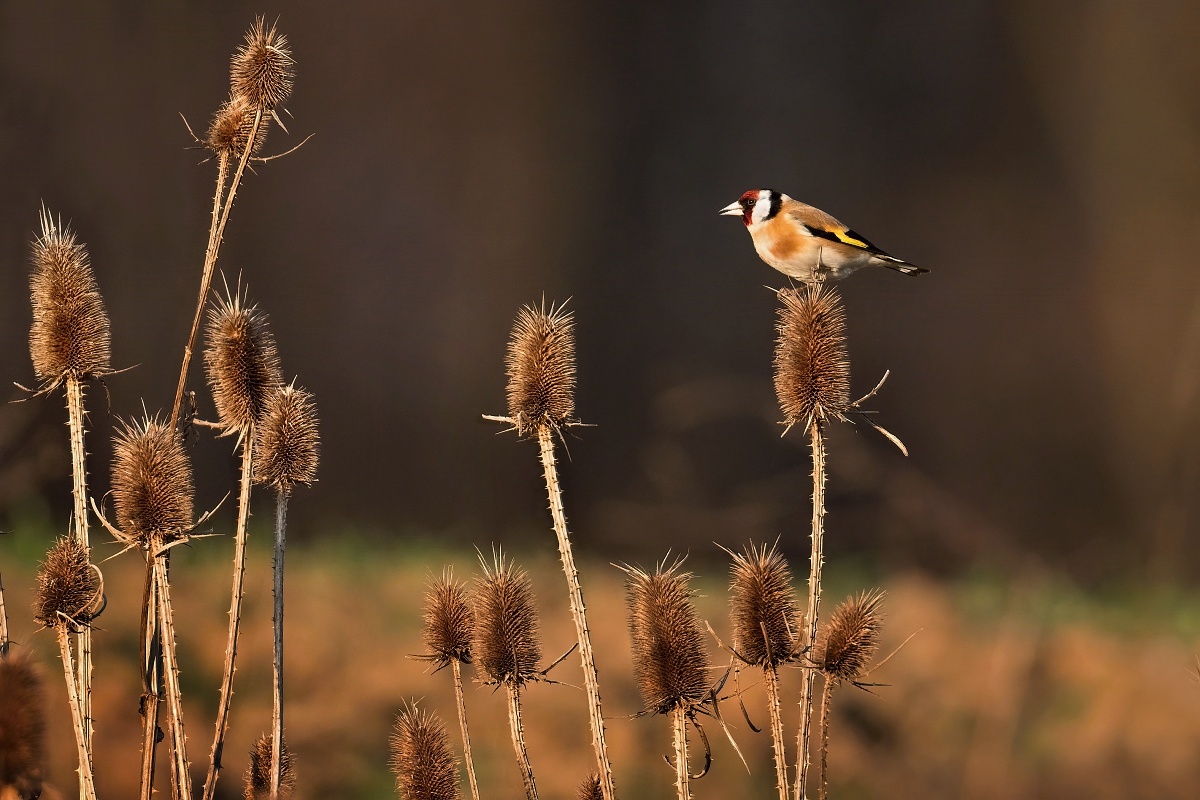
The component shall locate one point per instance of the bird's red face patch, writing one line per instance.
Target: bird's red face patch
(747, 201)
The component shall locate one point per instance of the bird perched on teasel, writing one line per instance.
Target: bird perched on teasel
(804, 242)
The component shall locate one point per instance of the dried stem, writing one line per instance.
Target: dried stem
(88, 788)
(74, 389)
(151, 680)
(180, 769)
(679, 720)
(817, 435)
(518, 738)
(235, 616)
(578, 611)
(826, 695)
(771, 676)
(462, 722)
(3, 622)
(277, 711)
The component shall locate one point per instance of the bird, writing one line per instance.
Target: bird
(804, 242)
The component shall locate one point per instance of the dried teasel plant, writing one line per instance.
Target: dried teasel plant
(69, 594)
(259, 772)
(231, 128)
(22, 725)
(242, 362)
(70, 342)
(286, 452)
(421, 757)
(670, 664)
(449, 626)
(590, 789)
(765, 618)
(263, 69)
(153, 495)
(845, 646)
(812, 382)
(540, 363)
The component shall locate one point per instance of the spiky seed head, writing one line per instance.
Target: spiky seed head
(449, 621)
(22, 727)
(151, 483)
(258, 771)
(263, 70)
(848, 641)
(69, 591)
(421, 757)
(70, 335)
(507, 644)
(541, 368)
(762, 605)
(590, 789)
(812, 369)
(287, 442)
(670, 665)
(230, 130)
(241, 360)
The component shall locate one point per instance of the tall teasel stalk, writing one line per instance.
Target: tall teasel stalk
(69, 594)
(670, 665)
(152, 492)
(812, 382)
(242, 363)
(70, 342)
(541, 401)
(262, 74)
(421, 757)
(765, 619)
(449, 627)
(286, 451)
(270, 772)
(22, 709)
(507, 646)
(845, 646)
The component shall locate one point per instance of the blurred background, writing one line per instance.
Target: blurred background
(1042, 159)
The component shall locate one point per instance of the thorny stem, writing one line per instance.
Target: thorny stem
(462, 723)
(87, 786)
(151, 679)
(277, 713)
(771, 676)
(79, 490)
(826, 696)
(679, 720)
(180, 770)
(578, 612)
(518, 739)
(814, 601)
(235, 616)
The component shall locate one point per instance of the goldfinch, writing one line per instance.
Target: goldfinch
(804, 242)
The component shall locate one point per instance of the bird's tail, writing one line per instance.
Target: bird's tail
(891, 262)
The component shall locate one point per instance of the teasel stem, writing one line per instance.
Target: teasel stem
(151, 679)
(826, 695)
(679, 720)
(817, 436)
(277, 711)
(235, 615)
(771, 676)
(180, 770)
(578, 611)
(74, 390)
(215, 236)
(462, 723)
(518, 738)
(87, 785)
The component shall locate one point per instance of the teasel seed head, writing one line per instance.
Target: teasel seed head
(258, 771)
(263, 70)
(763, 607)
(670, 665)
(69, 590)
(422, 759)
(812, 369)
(70, 335)
(507, 645)
(541, 368)
(287, 442)
(22, 727)
(590, 789)
(449, 621)
(151, 483)
(848, 641)
(241, 360)
(231, 126)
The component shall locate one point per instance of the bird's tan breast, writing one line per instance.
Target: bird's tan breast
(780, 241)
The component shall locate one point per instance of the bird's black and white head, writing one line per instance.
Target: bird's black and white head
(755, 206)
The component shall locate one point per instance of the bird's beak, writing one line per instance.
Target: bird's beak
(733, 209)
